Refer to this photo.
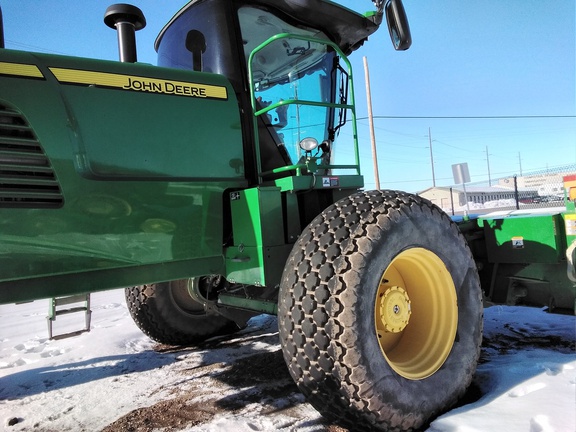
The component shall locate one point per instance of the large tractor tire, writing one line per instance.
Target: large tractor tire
(167, 313)
(380, 312)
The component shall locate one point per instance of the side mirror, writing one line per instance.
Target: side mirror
(196, 44)
(398, 25)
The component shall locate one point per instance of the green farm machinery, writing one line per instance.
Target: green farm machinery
(207, 187)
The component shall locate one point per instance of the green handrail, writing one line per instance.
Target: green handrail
(298, 168)
(350, 106)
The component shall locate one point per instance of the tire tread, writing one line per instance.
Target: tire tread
(344, 234)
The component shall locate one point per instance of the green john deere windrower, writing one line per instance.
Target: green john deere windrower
(207, 185)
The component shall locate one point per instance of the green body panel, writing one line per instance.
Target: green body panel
(113, 132)
(525, 239)
(525, 258)
(55, 285)
(256, 265)
(257, 217)
(536, 284)
(136, 171)
(259, 252)
(292, 223)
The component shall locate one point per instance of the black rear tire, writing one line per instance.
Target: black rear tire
(168, 314)
(370, 335)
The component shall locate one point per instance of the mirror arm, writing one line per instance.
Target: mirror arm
(378, 16)
(379, 5)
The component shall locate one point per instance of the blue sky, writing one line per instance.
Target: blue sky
(513, 60)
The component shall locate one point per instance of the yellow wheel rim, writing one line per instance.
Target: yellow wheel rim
(416, 313)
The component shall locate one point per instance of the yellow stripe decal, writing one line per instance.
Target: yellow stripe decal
(18, 69)
(137, 83)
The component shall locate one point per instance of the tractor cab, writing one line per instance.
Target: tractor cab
(287, 63)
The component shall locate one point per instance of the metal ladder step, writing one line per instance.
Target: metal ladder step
(68, 305)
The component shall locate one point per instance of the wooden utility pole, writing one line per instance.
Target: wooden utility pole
(371, 123)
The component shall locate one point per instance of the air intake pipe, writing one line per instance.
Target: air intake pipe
(127, 20)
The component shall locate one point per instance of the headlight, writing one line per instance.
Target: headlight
(309, 144)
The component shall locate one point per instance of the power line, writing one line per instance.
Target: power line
(472, 117)
(34, 48)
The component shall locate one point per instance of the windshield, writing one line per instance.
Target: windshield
(292, 78)
(293, 122)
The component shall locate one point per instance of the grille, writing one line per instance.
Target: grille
(26, 177)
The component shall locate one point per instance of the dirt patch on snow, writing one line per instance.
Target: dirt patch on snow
(515, 338)
(254, 383)
(168, 415)
(238, 378)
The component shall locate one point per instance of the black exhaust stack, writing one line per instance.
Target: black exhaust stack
(126, 19)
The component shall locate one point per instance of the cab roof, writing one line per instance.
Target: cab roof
(348, 29)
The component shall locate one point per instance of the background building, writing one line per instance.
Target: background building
(540, 189)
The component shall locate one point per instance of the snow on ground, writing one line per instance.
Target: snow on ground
(508, 204)
(527, 375)
(116, 379)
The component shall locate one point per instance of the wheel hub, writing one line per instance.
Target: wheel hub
(395, 309)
